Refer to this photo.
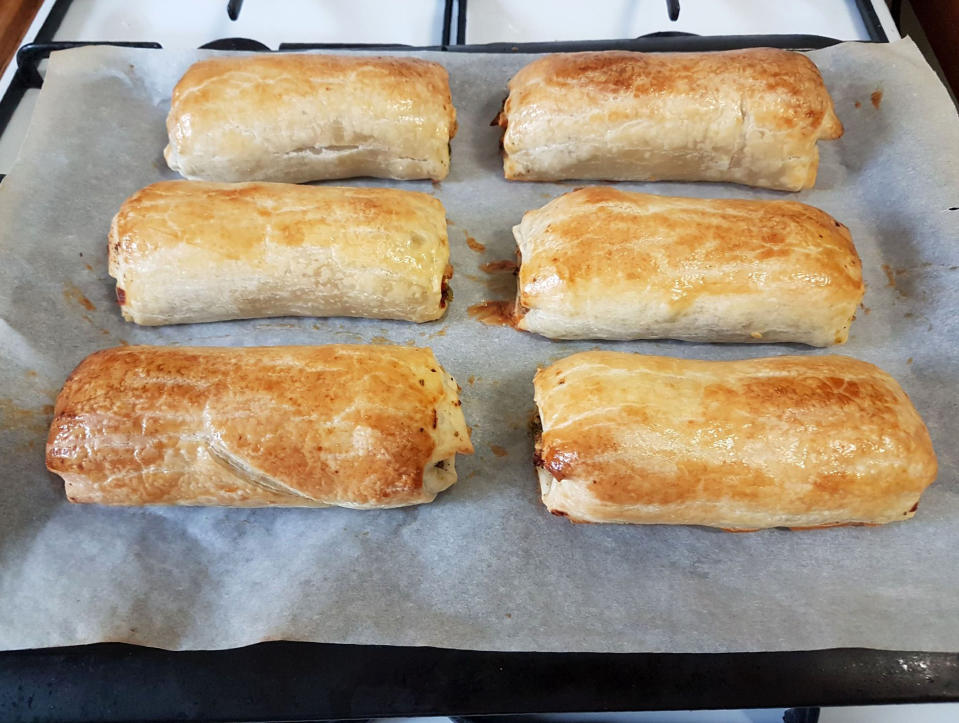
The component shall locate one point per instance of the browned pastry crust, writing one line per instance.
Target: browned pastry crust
(354, 426)
(295, 118)
(812, 441)
(748, 116)
(601, 263)
(191, 251)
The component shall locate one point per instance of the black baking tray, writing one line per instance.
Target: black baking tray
(309, 681)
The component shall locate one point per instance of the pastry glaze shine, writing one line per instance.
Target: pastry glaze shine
(600, 263)
(353, 426)
(809, 441)
(192, 251)
(296, 118)
(748, 116)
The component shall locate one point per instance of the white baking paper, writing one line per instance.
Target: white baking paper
(485, 566)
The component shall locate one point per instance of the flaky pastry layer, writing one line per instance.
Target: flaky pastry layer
(192, 251)
(295, 118)
(601, 263)
(352, 426)
(747, 116)
(810, 441)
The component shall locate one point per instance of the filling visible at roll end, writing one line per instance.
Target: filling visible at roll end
(452, 437)
(446, 293)
(439, 477)
(547, 483)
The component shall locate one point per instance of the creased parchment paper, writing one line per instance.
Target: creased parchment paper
(484, 566)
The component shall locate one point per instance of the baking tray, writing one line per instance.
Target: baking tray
(299, 681)
(308, 681)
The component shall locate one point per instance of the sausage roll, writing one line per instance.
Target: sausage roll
(600, 263)
(811, 441)
(189, 251)
(352, 426)
(279, 117)
(747, 116)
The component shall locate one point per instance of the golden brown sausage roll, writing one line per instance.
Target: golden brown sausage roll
(747, 116)
(600, 263)
(295, 118)
(810, 441)
(190, 251)
(352, 426)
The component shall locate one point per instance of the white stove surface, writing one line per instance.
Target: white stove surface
(191, 23)
(542, 20)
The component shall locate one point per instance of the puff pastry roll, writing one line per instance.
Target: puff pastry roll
(352, 426)
(279, 117)
(190, 251)
(600, 263)
(810, 441)
(747, 116)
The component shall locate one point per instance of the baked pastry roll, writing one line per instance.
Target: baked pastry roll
(295, 118)
(747, 116)
(809, 441)
(189, 251)
(600, 263)
(352, 426)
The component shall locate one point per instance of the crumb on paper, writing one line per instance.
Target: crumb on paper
(890, 275)
(475, 245)
(876, 98)
(498, 451)
(500, 266)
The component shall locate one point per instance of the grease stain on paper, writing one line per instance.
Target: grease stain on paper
(501, 266)
(74, 295)
(493, 313)
(498, 451)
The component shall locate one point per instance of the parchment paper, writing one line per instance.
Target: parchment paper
(484, 566)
